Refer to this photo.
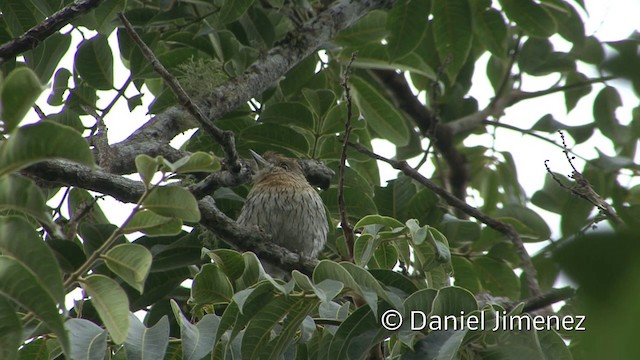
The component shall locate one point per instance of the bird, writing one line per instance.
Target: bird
(283, 204)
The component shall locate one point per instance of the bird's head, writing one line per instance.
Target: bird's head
(272, 166)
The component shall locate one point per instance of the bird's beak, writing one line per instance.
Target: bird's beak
(262, 163)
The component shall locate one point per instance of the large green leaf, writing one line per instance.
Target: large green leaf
(45, 57)
(20, 284)
(497, 277)
(173, 201)
(18, 93)
(405, 21)
(42, 141)
(111, 303)
(19, 193)
(491, 30)
(383, 117)
(10, 330)
(452, 32)
(147, 343)
(263, 137)
(131, 262)
(530, 16)
(198, 339)
(153, 224)
(356, 335)
(94, 62)
(88, 340)
(211, 286)
(19, 16)
(257, 341)
(21, 242)
(233, 9)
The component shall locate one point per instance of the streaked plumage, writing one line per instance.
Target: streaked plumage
(283, 204)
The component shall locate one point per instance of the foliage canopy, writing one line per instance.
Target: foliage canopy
(268, 75)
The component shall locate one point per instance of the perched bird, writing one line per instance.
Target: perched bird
(285, 205)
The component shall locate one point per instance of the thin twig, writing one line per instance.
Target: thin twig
(224, 138)
(46, 28)
(530, 133)
(527, 266)
(344, 219)
(582, 187)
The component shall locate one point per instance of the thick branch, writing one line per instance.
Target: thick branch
(224, 138)
(426, 120)
(40, 32)
(297, 46)
(508, 230)
(129, 191)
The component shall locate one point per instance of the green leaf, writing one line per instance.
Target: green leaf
(358, 203)
(146, 167)
(230, 261)
(20, 284)
(68, 117)
(326, 290)
(369, 29)
(604, 113)
(20, 193)
(288, 114)
(528, 217)
(404, 22)
(21, 242)
(19, 92)
(257, 341)
(530, 16)
(383, 117)
(263, 137)
(79, 200)
(356, 335)
(43, 141)
(198, 339)
(111, 303)
(378, 219)
(572, 96)
(497, 277)
(10, 330)
(19, 16)
(45, 57)
(131, 262)
(233, 9)
(173, 201)
(88, 340)
(465, 274)
(376, 56)
(452, 32)
(94, 62)
(441, 345)
(491, 30)
(152, 224)
(147, 343)
(211, 286)
(453, 300)
(196, 162)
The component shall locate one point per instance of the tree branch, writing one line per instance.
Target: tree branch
(526, 264)
(426, 120)
(50, 25)
(224, 138)
(496, 107)
(66, 173)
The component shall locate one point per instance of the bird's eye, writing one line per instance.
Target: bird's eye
(284, 165)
